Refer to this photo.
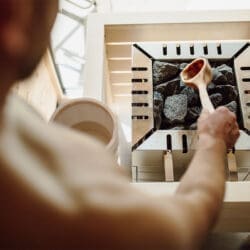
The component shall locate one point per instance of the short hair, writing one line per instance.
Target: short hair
(5, 11)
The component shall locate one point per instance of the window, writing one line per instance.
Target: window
(68, 44)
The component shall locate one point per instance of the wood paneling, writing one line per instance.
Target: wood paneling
(121, 77)
(122, 64)
(118, 50)
(42, 90)
(177, 32)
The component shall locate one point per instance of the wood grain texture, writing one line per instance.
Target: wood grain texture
(42, 90)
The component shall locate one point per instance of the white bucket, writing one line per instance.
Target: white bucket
(91, 117)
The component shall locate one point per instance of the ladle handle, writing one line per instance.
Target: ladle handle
(205, 101)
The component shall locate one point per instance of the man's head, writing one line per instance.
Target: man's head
(24, 35)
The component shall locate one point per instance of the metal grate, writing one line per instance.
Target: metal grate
(191, 50)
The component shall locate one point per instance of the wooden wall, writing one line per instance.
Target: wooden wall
(41, 90)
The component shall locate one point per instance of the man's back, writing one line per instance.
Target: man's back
(60, 188)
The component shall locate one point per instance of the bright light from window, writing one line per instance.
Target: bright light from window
(68, 44)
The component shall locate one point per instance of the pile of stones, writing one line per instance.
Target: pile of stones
(177, 106)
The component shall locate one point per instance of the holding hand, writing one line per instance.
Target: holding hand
(220, 124)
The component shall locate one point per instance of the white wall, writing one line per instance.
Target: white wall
(118, 6)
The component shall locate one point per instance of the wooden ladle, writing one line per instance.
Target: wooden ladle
(198, 74)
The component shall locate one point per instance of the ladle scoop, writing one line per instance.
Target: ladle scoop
(198, 74)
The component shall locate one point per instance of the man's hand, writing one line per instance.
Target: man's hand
(221, 124)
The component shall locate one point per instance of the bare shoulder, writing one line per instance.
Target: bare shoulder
(71, 186)
(32, 150)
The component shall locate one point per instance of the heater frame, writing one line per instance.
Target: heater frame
(122, 30)
(176, 147)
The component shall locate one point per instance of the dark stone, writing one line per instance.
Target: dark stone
(216, 99)
(228, 92)
(227, 72)
(182, 85)
(218, 77)
(158, 108)
(179, 127)
(175, 108)
(192, 96)
(176, 126)
(163, 71)
(232, 106)
(215, 72)
(164, 124)
(177, 105)
(193, 126)
(193, 114)
(168, 88)
(173, 87)
(158, 99)
(161, 88)
(182, 66)
(157, 117)
(223, 68)
(211, 88)
(230, 78)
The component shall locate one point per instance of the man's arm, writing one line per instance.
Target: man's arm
(122, 217)
(202, 187)
(184, 220)
(63, 190)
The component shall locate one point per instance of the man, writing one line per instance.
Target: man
(55, 191)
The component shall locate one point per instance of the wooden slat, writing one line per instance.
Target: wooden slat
(122, 65)
(145, 111)
(53, 75)
(138, 126)
(177, 32)
(121, 99)
(121, 89)
(140, 99)
(169, 166)
(120, 77)
(144, 95)
(140, 86)
(118, 50)
(150, 177)
(41, 90)
(150, 169)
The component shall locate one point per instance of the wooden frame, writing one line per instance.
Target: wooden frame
(109, 34)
